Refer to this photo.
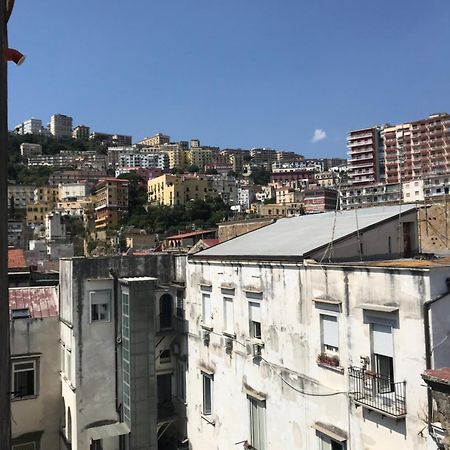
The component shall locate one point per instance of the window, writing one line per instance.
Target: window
(255, 319)
(383, 356)
(164, 356)
(326, 443)
(257, 410)
(330, 333)
(228, 315)
(24, 378)
(206, 309)
(207, 393)
(100, 306)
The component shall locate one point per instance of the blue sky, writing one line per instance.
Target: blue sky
(235, 73)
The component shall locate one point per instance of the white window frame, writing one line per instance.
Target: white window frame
(210, 377)
(327, 347)
(261, 407)
(91, 303)
(326, 442)
(35, 368)
(206, 315)
(252, 327)
(228, 322)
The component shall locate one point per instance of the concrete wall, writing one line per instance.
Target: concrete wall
(42, 413)
(434, 228)
(90, 391)
(292, 342)
(233, 229)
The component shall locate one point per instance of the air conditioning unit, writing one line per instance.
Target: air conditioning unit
(257, 349)
(228, 345)
(206, 337)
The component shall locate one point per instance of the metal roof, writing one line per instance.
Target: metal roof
(40, 301)
(300, 235)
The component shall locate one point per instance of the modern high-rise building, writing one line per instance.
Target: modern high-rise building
(30, 126)
(61, 126)
(417, 149)
(365, 153)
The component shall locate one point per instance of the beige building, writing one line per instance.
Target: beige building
(111, 202)
(281, 209)
(61, 126)
(287, 195)
(81, 132)
(20, 196)
(157, 139)
(198, 156)
(176, 154)
(174, 190)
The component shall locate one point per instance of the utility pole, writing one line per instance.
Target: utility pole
(5, 378)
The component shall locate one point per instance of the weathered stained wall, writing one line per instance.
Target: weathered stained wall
(292, 341)
(42, 413)
(231, 230)
(434, 228)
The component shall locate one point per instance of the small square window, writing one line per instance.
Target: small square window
(100, 306)
(208, 381)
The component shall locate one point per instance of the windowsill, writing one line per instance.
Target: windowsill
(229, 335)
(68, 382)
(205, 417)
(337, 369)
(28, 397)
(206, 327)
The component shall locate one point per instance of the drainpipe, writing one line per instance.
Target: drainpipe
(116, 335)
(428, 349)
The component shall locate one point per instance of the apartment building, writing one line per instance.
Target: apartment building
(111, 202)
(280, 209)
(227, 188)
(27, 149)
(81, 132)
(61, 126)
(365, 156)
(73, 176)
(295, 178)
(144, 159)
(73, 191)
(176, 154)
(123, 352)
(372, 195)
(320, 199)
(20, 195)
(200, 156)
(418, 149)
(272, 328)
(171, 190)
(30, 126)
(112, 139)
(288, 195)
(69, 159)
(157, 139)
(35, 387)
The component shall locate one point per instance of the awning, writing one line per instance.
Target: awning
(327, 299)
(331, 431)
(106, 431)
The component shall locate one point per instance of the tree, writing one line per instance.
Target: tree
(260, 175)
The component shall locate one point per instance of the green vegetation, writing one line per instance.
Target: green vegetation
(260, 175)
(19, 172)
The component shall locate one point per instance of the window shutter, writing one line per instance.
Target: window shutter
(330, 331)
(254, 312)
(382, 340)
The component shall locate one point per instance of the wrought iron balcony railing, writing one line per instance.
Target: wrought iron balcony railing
(378, 393)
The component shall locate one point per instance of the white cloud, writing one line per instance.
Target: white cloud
(319, 135)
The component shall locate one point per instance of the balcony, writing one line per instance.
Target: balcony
(378, 393)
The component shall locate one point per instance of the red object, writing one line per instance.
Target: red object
(41, 301)
(11, 54)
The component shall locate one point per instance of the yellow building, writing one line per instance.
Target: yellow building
(157, 139)
(37, 211)
(47, 194)
(177, 156)
(171, 190)
(198, 156)
(111, 202)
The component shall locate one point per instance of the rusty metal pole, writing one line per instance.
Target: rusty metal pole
(5, 377)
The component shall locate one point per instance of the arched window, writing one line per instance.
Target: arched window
(165, 312)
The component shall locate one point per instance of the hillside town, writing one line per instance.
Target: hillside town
(173, 296)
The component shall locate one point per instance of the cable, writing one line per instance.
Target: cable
(310, 394)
